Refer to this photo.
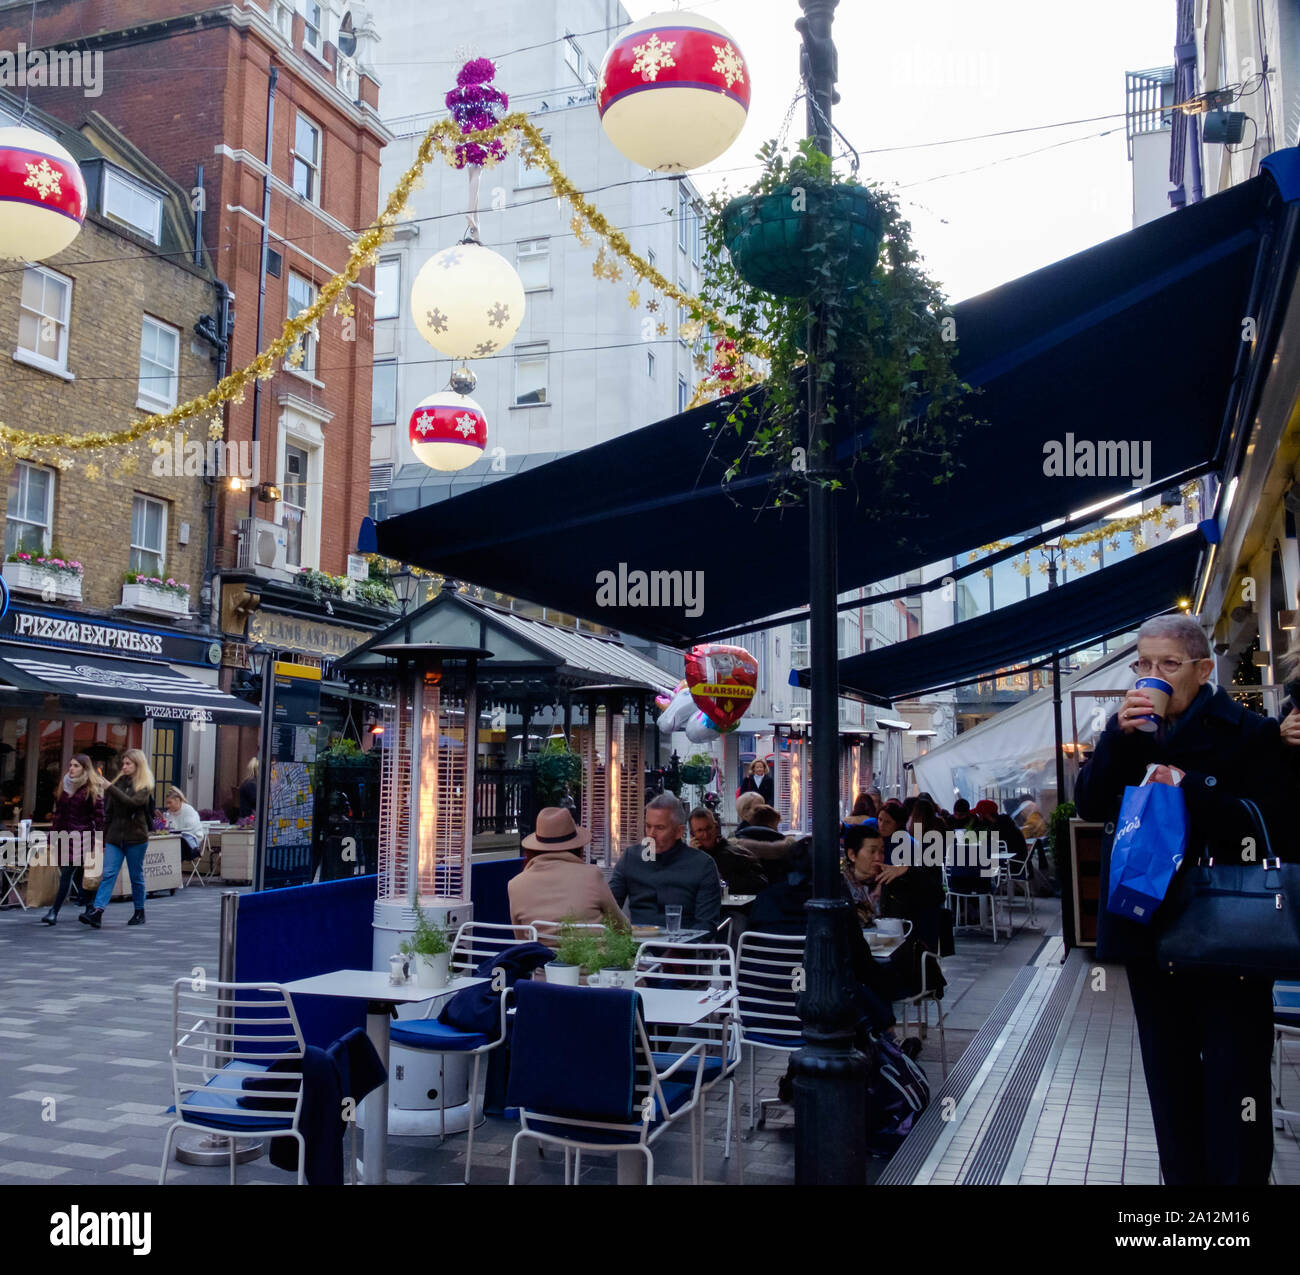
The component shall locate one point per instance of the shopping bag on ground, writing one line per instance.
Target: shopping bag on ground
(1150, 837)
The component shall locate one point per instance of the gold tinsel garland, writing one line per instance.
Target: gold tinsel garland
(442, 137)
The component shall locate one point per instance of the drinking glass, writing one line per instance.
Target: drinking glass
(673, 918)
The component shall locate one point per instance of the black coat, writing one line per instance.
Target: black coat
(1228, 753)
(761, 786)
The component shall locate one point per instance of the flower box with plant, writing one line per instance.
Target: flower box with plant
(142, 592)
(376, 593)
(51, 575)
(556, 770)
(577, 952)
(431, 949)
(320, 583)
(618, 949)
(697, 769)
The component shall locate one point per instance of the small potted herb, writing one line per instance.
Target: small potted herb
(432, 952)
(577, 952)
(618, 949)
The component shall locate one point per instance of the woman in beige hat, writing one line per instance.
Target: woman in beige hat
(556, 884)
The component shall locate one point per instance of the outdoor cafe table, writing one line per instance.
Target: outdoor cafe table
(380, 995)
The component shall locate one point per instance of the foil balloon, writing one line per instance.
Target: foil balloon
(702, 729)
(722, 681)
(678, 712)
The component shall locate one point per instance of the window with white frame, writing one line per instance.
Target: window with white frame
(697, 232)
(302, 295)
(683, 394)
(306, 157)
(383, 393)
(283, 17)
(30, 509)
(533, 262)
(650, 363)
(535, 176)
(650, 258)
(531, 376)
(388, 288)
(160, 352)
(314, 33)
(573, 58)
(293, 496)
(43, 316)
(683, 217)
(132, 205)
(683, 314)
(148, 535)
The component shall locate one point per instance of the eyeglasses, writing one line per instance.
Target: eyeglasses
(1144, 668)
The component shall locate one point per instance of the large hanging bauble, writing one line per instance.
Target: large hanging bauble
(448, 431)
(673, 92)
(42, 195)
(468, 301)
(722, 681)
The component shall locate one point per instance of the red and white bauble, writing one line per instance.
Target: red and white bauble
(448, 430)
(673, 92)
(42, 195)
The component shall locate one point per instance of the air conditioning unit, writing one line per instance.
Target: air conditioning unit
(262, 547)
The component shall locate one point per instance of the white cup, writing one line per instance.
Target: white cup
(890, 926)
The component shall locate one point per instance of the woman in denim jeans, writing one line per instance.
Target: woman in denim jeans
(129, 810)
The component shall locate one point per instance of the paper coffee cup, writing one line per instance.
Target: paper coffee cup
(1158, 691)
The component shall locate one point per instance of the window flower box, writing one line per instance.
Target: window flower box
(51, 578)
(160, 597)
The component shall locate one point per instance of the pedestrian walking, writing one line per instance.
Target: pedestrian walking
(248, 790)
(78, 815)
(1207, 1039)
(758, 779)
(129, 814)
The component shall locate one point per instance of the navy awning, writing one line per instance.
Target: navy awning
(1110, 601)
(1136, 339)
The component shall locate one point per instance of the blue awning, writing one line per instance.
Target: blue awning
(1106, 602)
(1137, 339)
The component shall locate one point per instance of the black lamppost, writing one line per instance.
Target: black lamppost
(1055, 551)
(830, 1074)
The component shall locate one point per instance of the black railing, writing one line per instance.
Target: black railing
(501, 799)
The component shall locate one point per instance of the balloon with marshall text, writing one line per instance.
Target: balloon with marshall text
(722, 681)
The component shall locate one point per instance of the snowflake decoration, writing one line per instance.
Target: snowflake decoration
(661, 329)
(484, 348)
(45, 180)
(633, 300)
(215, 430)
(579, 233)
(1094, 556)
(652, 57)
(92, 472)
(449, 258)
(128, 465)
(652, 305)
(436, 320)
(498, 315)
(296, 356)
(466, 425)
(729, 64)
(424, 423)
(689, 330)
(344, 308)
(1113, 546)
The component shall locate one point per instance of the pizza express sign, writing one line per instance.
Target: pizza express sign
(66, 631)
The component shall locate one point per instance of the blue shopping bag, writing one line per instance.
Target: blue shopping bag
(1150, 837)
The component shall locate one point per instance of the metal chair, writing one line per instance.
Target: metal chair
(223, 1034)
(584, 1076)
(13, 873)
(190, 870)
(475, 942)
(704, 966)
(1286, 1030)
(769, 977)
(930, 994)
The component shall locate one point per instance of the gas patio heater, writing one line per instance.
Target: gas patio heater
(426, 828)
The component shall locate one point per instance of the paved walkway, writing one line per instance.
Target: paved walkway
(1048, 1089)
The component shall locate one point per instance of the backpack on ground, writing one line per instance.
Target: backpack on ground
(897, 1093)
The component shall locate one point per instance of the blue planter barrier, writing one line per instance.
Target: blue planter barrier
(488, 884)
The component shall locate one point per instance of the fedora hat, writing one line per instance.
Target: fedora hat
(556, 832)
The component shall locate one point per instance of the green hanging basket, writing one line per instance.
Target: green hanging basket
(769, 236)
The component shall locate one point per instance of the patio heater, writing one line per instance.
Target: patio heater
(426, 823)
(792, 786)
(612, 750)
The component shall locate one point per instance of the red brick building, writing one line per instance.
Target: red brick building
(188, 82)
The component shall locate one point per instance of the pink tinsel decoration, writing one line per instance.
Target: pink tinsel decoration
(477, 104)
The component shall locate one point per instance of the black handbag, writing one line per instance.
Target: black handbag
(1231, 919)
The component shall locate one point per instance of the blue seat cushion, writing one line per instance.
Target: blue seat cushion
(1286, 1004)
(712, 1066)
(224, 1091)
(429, 1033)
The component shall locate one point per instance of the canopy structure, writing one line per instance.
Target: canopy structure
(103, 684)
(1014, 753)
(1137, 340)
(1106, 602)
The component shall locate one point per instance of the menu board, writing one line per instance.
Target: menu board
(291, 726)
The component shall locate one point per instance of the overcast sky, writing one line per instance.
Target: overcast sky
(933, 70)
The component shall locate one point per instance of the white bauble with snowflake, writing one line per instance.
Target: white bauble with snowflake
(673, 91)
(468, 301)
(42, 195)
(448, 430)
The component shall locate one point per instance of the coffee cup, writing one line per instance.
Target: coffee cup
(1158, 691)
(889, 926)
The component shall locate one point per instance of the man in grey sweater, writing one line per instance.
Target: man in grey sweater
(651, 877)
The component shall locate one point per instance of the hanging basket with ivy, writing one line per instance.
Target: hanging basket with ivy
(773, 238)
